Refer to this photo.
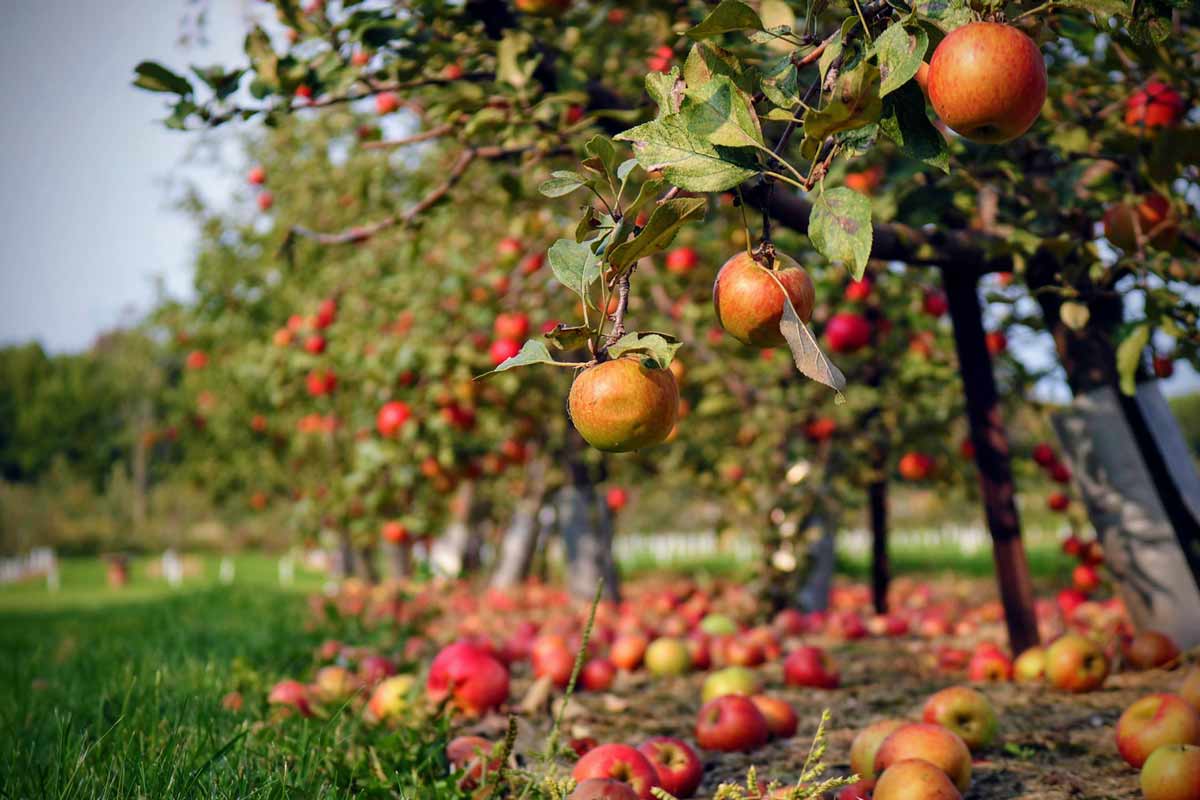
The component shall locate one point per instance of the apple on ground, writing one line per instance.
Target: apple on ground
(597, 675)
(678, 767)
(628, 651)
(781, 718)
(602, 789)
(989, 666)
(1189, 690)
(618, 762)
(291, 694)
(731, 680)
(859, 790)
(1154, 721)
(390, 698)
(470, 676)
(731, 723)
(932, 743)
(810, 666)
(866, 744)
(1150, 649)
(334, 683)
(1076, 664)
(667, 655)
(915, 779)
(966, 712)
(1172, 772)
(473, 755)
(1030, 666)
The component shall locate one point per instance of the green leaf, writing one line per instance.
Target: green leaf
(945, 14)
(660, 230)
(1129, 356)
(854, 103)
(1101, 8)
(779, 81)
(905, 122)
(688, 160)
(601, 147)
(565, 337)
(648, 193)
(840, 228)
(508, 67)
(154, 77)
(263, 58)
(900, 52)
(532, 352)
(221, 82)
(806, 353)
(706, 61)
(730, 15)
(661, 88)
(574, 264)
(562, 182)
(660, 347)
(721, 113)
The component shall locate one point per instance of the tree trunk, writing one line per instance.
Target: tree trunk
(881, 570)
(587, 540)
(458, 550)
(519, 542)
(343, 557)
(139, 467)
(992, 459)
(399, 558)
(365, 566)
(823, 562)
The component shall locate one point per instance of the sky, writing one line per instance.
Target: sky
(86, 218)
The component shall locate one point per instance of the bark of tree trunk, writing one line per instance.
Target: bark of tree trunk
(343, 559)
(399, 560)
(519, 543)
(881, 570)
(365, 565)
(459, 549)
(992, 459)
(823, 555)
(587, 540)
(139, 467)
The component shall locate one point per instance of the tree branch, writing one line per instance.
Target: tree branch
(423, 136)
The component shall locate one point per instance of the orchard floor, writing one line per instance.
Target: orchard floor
(104, 699)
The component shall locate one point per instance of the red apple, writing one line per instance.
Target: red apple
(265, 201)
(1085, 578)
(391, 417)
(858, 291)
(468, 675)
(810, 666)
(597, 675)
(473, 756)
(257, 176)
(749, 301)
(681, 260)
(556, 661)
(1151, 216)
(678, 767)
(1154, 721)
(935, 303)
(616, 498)
(1155, 106)
(847, 333)
(987, 81)
(915, 466)
(1044, 455)
(915, 779)
(989, 667)
(602, 789)
(386, 103)
(731, 723)
(291, 694)
(628, 651)
(618, 762)
(1057, 501)
(1075, 664)
(996, 342)
(513, 325)
(931, 743)
(781, 718)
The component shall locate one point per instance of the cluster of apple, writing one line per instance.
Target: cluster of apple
(257, 177)
(1045, 457)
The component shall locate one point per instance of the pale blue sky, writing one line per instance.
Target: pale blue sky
(85, 212)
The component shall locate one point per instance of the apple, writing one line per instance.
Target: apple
(678, 767)
(602, 789)
(1172, 772)
(257, 176)
(556, 662)
(681, 260)
(1044, 455)
(933, 743)
(617, 497)
(781, 718)
(866, 181)
(740, 651)
(668, 656)
(386, 103)
(820, 429)
(1085, 578)
(623, 404)
(197, 359)
(935, 303)
(1155, 106)
(1030, 666)
(857, 291)
(470, 676)
(472, 755)
(265, 201)
(731, 723)
(996, 342)
(966, 712)
(718, 625)
(628, 651)
(810, 666)
(326, 313)
(1151, 649)
(866, 744)
(847, 333)
(1154, 219)
(1060, 473)
(915, 779)
(1075, 664)
(987, 666)
(374, 668)
(391, 417)
(731, 680)
(503, 349)
(859, 790)
(390, 699)
(597, 675)
(1057, 501)
(987, 82)
(749, 301)
(550, 8)
(1164, 367)
(618, 762)
(333, 683)
(1154, 721)
(513, 325)
(915, 466)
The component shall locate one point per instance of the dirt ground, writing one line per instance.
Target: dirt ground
(1052, 745)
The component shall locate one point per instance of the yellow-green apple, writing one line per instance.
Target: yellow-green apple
(390, 698)
(718, 625)
(333, 683)
(932, 743)
(1153, 721)
(1172, 772)
(623, 404)
(965, 711)
(781, 719)
(597, 675)
(731, 680)
(678, 767)
(1076, 664)
(915, 779)
(667, 656)
(866, 744)
(987, 81)
(1189, 690)
(618, 762)
(749, 302)
(731, 723)
(468, 675)
(810, 666)
(1030, 666)
(1150, 649)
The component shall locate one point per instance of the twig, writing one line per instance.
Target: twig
(618, 329)
(423, 136)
